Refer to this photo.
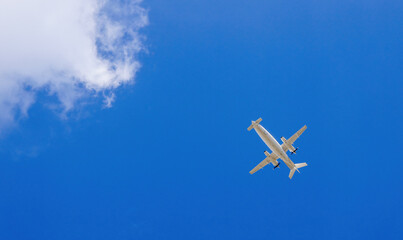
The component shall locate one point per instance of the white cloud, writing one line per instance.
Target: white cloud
(108, 100)
(70, 49)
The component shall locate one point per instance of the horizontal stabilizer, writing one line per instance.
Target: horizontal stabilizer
(291, 173)
(300, 165)
(254, 124)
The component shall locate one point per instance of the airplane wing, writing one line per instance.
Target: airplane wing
(292, 139)
(270, 158)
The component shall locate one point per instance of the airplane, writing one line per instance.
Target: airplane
(278, 151)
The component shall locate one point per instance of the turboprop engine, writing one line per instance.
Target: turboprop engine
(289, 146)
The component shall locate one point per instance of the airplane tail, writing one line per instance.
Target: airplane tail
(298, 165)
(254, 124)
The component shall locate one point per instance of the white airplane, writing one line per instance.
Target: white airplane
(278, 151)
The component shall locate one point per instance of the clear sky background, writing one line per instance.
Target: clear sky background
(170, 159)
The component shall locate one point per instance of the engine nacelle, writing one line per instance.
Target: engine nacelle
(275, 163)
(288, 145)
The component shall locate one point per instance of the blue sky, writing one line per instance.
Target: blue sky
(170, 159)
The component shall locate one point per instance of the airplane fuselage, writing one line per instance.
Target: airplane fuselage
(272, 143)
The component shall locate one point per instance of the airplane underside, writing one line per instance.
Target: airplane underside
(278, 151)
